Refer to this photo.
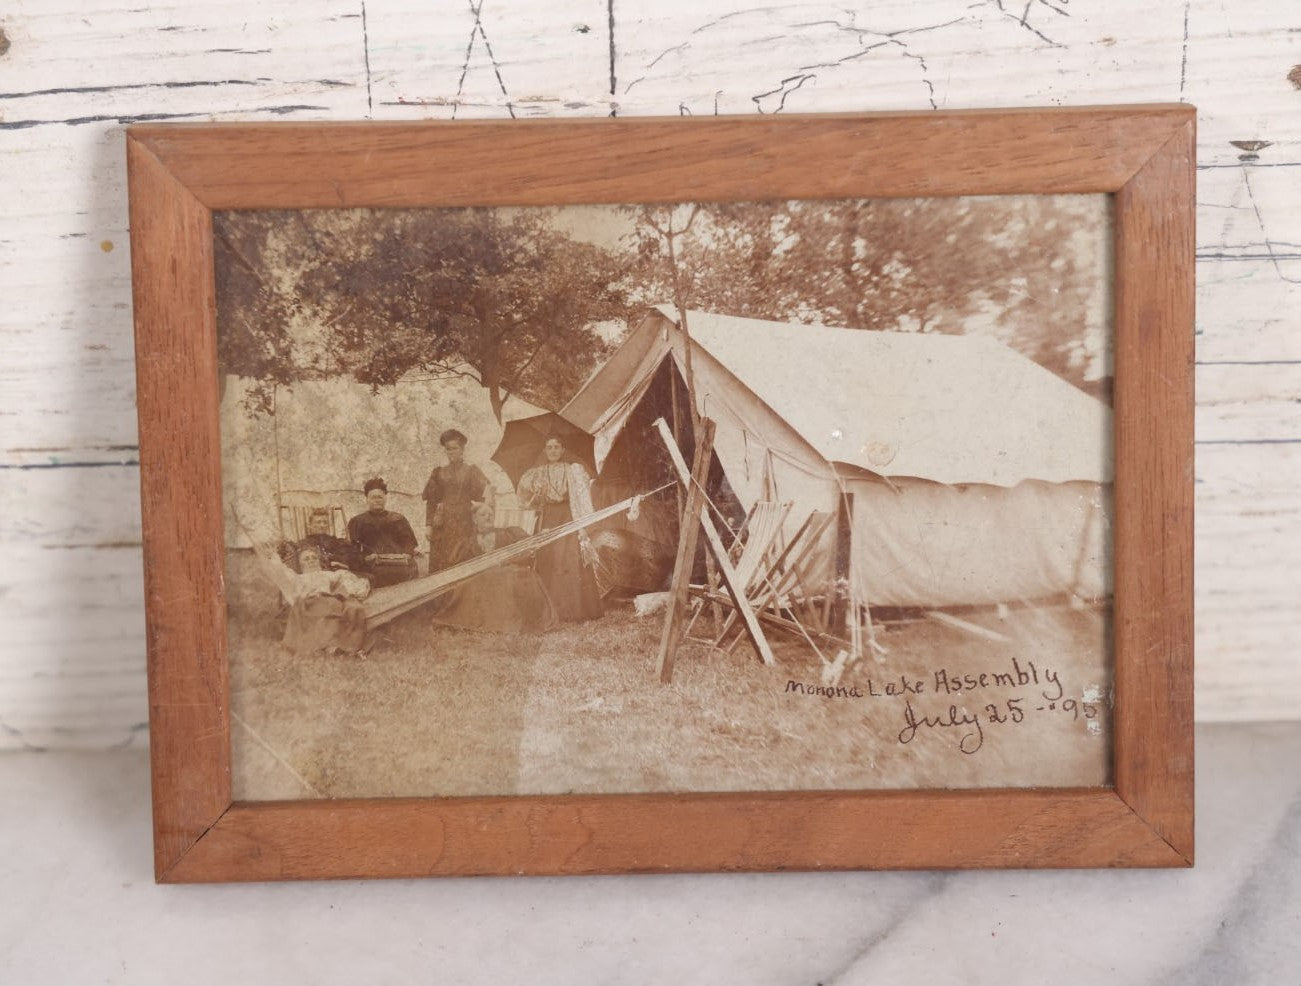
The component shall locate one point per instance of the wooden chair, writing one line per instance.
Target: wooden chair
(294, 519)
(775, 580)
(755, 541)
(526, 520)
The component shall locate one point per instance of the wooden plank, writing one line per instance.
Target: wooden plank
(734, 589)
(711, 576)
(180, 492)
(573, 834)
(807, 602)
(769, 617)
(765, 582)
(544, 162)
(688, 538)
(793, 566)
(772, 590)
(1154, 491)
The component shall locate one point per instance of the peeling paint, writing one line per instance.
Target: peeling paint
(1250, 147)
(88, 90)
(614, 109)
(365, 47)
(1183, 62)
(478, 33)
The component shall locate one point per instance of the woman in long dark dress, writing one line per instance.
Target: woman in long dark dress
(559, 490)
(383, 538)
(449, 496)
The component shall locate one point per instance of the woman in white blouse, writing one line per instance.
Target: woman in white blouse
(559, 491)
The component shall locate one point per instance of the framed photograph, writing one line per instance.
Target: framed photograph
(767, 493)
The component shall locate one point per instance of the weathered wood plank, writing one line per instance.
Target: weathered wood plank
(76, 70)
(1248, 634)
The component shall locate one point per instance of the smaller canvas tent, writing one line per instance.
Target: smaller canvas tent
(964, 473)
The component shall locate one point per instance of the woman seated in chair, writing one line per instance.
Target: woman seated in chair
(508, 598)
(336, 553)
(384, 538)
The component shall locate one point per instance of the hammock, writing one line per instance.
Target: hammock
(392, 601)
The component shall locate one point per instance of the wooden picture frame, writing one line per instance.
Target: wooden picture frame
(1142, 155)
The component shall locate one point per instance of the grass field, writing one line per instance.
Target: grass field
(438, 711)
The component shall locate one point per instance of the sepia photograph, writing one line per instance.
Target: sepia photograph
(721, 496)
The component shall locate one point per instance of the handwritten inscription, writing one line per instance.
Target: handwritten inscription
(973, 738)
(826, 691)
(1039, 688)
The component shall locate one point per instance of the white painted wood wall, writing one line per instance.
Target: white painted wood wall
(74, 72)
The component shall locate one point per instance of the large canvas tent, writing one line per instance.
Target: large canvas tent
(963, 472)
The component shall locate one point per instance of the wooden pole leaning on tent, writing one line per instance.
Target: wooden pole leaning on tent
(688, 538)
(734, 588)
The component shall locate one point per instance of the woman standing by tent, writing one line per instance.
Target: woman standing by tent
(449, 496)
(559, 490)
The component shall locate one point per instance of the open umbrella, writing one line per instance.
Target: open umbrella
(520, 448)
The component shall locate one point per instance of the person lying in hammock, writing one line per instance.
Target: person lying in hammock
(326, 613)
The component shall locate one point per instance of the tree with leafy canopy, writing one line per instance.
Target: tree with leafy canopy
(902, 264)
(497, 295)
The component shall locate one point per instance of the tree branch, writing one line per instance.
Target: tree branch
(449, 370)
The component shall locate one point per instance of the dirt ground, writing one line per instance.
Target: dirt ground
(436, 711)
